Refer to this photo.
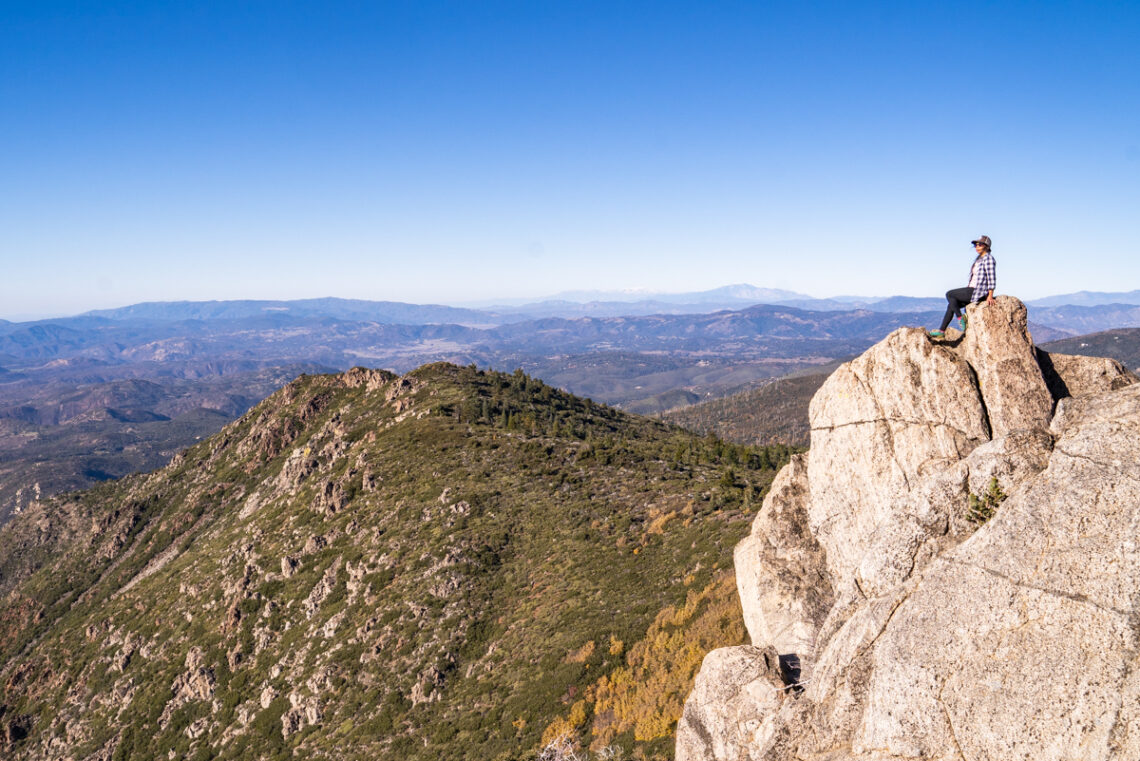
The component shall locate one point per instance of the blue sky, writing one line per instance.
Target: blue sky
(453, 151)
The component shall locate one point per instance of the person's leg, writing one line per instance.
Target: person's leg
(962, 296)
(956, 298)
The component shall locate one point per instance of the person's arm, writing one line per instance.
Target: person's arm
(991, 271)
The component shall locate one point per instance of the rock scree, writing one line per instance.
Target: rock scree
(918, 626)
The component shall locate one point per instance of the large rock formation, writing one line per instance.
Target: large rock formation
(910, 624)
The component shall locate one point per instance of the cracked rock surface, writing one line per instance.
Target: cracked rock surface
(921, 634)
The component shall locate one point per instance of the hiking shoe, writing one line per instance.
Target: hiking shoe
(962, 323)
(935, 333)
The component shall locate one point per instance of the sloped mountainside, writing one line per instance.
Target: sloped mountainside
(1122, 344)
(776, 412)
(951, 572)
(367, 566)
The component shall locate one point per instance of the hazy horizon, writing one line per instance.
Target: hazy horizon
(567, 296)
(470, 304)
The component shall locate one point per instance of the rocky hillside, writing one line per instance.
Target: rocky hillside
(1122, 345)
(367, 566)
(950, 572)
(774, 413)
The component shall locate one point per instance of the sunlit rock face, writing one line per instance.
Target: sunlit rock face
(952, 567)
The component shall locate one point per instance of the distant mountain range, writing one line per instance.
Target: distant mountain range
(570, 304)
(1078, 320)
(613, 303)
(99, 395)
(643, 352)
(1088, 299)
(761, 331)
(389, 312)
(740, 292)
(107, 392)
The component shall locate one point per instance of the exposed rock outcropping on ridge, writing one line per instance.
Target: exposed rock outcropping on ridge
(902, 628)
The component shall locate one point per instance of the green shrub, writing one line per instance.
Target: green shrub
(981, 508)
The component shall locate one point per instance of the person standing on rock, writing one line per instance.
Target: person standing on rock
(983, 281)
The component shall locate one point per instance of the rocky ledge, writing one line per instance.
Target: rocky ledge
(951, 572)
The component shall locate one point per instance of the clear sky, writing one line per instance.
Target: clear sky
(450, 151)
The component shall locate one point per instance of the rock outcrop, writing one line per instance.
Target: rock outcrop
(734, 706)
(783, 589)
(920, 626)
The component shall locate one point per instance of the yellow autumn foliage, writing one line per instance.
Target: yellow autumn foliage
(582, 654)
(648, 693)
(566, 726)
(658, 519)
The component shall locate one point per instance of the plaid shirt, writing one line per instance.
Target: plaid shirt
(986, 270)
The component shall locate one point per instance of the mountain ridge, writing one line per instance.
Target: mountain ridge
(599, 302)
(349, 309)
(368, 565)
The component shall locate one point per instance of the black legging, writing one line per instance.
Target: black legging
(955, 300)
